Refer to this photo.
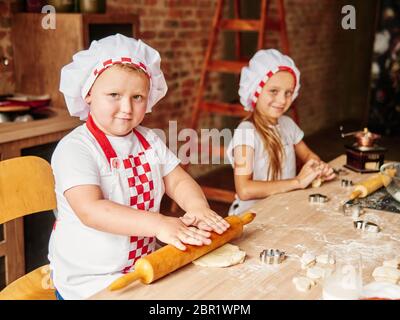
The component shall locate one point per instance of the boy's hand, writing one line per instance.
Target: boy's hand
(205, 219)
(175, 232)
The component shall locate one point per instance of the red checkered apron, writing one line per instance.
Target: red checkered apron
(141, 187)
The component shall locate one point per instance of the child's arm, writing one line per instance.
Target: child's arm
(304, 153)
(94, 211)
(181, 187)
(248, 189)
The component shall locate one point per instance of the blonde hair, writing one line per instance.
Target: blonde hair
(272, 142)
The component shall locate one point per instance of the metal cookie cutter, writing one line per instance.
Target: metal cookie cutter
(366, 226)
(272, 256)
(346, 183)
(317, 198)
(355, 210)
(340, 171)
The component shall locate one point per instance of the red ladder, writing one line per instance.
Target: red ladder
(237, 25)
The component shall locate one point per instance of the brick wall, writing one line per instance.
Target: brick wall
(179, 31)
(334, 63)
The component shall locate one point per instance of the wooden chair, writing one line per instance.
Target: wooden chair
(26, 187)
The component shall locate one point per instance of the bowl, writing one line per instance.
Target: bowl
(391, 178)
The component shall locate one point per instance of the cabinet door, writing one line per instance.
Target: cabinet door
(41, 53)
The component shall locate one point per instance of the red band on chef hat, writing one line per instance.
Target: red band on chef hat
(268, 75)
(124, 60)
(102, 66)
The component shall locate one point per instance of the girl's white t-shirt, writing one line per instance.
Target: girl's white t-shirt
(84, 260)
(246, 134)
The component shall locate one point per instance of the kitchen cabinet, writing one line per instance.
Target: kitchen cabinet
(39, 54)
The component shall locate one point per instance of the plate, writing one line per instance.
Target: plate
(13, 108)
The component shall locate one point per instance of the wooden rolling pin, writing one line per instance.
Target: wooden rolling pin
(373, 183)
(167, 259)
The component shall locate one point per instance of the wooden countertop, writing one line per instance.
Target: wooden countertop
(287, 222)
(59, 121)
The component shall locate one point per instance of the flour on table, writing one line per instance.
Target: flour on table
(318, 272)
(225, 256)
(325, 259)
(303, 284)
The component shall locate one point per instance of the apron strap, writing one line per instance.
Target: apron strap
(142, 139)
(101, 139)
(105, 143)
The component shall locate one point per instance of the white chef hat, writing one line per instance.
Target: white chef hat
(262, 66)
(78, 77)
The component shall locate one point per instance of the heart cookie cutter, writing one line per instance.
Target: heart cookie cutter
(317, 198)
(272, 256)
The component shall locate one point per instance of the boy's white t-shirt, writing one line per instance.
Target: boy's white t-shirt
(84, 260)
(246, 134)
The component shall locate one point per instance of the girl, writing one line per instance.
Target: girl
(265, 145)
(111, 173)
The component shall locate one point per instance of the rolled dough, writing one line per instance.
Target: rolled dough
(395, 263)
(388, 274)
(225, 256)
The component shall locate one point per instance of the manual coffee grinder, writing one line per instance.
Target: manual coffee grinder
(364, 155)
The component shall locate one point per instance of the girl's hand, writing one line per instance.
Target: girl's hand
(205, 219)
(308, 173)
(327, 172)
(175, 232)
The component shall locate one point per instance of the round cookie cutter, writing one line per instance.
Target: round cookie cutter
(366, 226)
(272, 256)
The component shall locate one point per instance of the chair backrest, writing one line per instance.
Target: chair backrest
(26, 186)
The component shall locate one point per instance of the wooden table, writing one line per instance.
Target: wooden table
(13, 138)
(287, 222)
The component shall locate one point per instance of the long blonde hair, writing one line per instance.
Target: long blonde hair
(272, 142)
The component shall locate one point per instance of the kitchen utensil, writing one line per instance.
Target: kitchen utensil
(272, 256)
(167, 259)
(317, 198)
(391, 173)
(371, 184)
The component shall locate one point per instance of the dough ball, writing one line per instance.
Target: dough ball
(307, 260)
(325, 259)
(386, 274)
(225, 256)
(303, 284)
(316, 183)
